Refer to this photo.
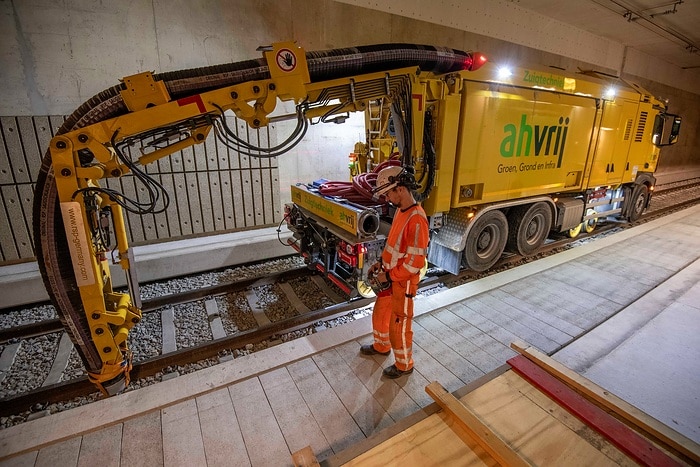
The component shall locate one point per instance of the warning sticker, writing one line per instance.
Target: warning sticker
(286, 60)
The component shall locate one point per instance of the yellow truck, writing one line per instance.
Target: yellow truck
(503, 157)
(507, 155)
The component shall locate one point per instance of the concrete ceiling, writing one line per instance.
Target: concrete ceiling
(666, 29)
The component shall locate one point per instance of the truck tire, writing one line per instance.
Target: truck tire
(486, 240)
(528, 228)
(638, 202)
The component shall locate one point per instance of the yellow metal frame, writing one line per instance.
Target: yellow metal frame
(111, 315)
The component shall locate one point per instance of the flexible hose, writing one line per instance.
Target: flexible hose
(51, 246)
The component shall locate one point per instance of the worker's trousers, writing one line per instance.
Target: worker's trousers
(392, 320)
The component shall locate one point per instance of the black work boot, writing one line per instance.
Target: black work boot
(392, 372)
(368, 349)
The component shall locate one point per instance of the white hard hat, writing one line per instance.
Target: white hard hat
(387, 179)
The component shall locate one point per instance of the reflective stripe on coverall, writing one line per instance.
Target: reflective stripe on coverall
(403, 257)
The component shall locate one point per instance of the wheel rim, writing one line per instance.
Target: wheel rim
(573, 233)
(486, 240)
(590, 224)
(533, 230)
(365, 290)
(485, 244)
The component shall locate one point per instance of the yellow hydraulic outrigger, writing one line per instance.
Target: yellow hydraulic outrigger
(162, 126)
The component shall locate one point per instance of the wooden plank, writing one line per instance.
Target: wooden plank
(223, 440)
(101, 447)
(142, 441)
(603, 397)
(506, 405)
(430, 367)
(304, 458)
(433, 441)
(573, 423)
(487, 439)
(627, 440)
(604, 284)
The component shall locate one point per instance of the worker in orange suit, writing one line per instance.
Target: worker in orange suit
(402, 259)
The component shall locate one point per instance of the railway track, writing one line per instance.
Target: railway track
(303, 302)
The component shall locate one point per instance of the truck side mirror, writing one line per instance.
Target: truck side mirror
(675, 130)
(659, 126)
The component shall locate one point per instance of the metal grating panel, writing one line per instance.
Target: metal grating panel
(212, 188)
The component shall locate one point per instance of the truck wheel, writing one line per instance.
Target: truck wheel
(486, 240)
(639, 201)
(590, 225)
(528, 228)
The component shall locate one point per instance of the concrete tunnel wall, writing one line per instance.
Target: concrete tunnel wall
(56, 55)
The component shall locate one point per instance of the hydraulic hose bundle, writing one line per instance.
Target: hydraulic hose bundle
(49, 235)
(359, 190)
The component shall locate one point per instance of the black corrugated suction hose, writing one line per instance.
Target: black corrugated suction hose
(49, 236)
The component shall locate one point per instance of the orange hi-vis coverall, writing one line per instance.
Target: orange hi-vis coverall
(403, 257)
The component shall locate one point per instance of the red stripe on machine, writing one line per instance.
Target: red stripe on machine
(419, 97)
(197, 99)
